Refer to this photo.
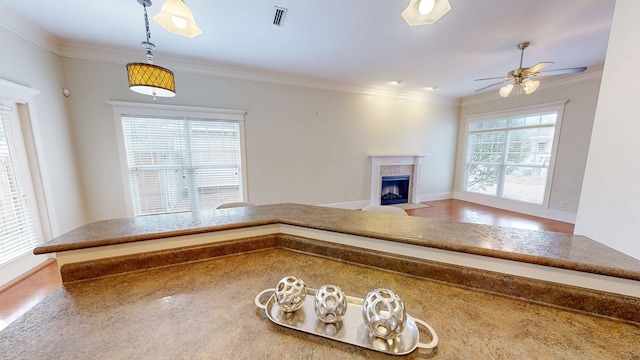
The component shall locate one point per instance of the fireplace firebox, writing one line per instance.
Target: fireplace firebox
(395, 190)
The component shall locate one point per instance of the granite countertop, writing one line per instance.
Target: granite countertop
(206, 310)
(559, 250)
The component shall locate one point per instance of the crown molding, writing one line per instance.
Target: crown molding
(22, 27)
(93, 52)
(38, 36)
(200, 67)
(592, 73)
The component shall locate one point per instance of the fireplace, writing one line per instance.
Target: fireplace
(407, 166)
(394, 190)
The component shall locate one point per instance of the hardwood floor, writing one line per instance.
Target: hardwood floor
(19, 298)
(22, 296)
(463, 211)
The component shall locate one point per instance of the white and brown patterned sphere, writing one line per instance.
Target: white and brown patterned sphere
(330, 304)
(383, 313)
(290, 293)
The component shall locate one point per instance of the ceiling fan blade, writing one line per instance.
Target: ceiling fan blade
(493, 78)
(536, 68)
(563, 71)
(494, 84)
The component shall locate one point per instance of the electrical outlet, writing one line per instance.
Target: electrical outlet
(563, 204)
(107, 216)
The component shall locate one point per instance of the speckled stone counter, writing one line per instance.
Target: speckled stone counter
(206, 310)
(568, 271)
(537, 247)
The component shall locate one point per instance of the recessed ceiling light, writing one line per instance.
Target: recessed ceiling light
(431, 87)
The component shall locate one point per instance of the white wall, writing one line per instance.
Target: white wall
(302, 145)
(27, 64)
(609, 209)
(572, 148)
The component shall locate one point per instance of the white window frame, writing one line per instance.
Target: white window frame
(504, 203)
(39, 188)
(121, 108)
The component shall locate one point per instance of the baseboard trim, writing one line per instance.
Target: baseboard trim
(435, 196)
(26, 274)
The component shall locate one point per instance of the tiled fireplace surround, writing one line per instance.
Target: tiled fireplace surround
(391, 165)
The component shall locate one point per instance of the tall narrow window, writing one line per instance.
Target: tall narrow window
(179, 164)
(18, 233)
(510, 157)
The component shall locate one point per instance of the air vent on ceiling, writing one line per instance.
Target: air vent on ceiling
(278, 16)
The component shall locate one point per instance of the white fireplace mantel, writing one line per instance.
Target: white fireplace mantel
(377, 161)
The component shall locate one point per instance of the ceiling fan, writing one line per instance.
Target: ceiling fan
(523, 78)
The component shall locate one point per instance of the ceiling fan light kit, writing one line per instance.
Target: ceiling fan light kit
(523, 77)
(529, 86)
(147, 78)
(177, 18)
(425, 12)
(506, 90)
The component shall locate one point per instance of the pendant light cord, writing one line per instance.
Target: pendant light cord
(146, 22)
(148, 45)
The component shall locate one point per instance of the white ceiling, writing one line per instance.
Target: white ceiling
(361, 43)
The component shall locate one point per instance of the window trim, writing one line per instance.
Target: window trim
(514, 205)
(123, 108)
(24, 99)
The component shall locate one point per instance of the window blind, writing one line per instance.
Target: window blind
(510, 157)
(17, 231)
(182, 164)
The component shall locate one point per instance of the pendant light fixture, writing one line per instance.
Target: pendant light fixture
(177, 18)
(425, 12)
(147, 78)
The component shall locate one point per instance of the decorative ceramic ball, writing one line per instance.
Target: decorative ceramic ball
(330, 304)
(290, 293)
(383, 313)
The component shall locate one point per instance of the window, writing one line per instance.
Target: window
(181, 163)
(18, 231)
(511, 156)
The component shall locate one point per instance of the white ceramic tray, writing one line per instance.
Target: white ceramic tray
(351, 329)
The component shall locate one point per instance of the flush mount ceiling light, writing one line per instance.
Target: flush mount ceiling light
(147, 78)
(425, 12)
(176, 17)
